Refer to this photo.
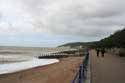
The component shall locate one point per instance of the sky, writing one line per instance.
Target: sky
(49, 23)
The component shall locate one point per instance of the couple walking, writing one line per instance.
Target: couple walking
(102, 50)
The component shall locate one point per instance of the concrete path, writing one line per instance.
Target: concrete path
(110, 69)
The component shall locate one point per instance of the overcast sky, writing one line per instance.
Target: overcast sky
(54, 22)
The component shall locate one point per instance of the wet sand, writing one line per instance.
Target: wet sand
(62, 72)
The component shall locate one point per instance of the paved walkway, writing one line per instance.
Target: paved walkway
(110, 69)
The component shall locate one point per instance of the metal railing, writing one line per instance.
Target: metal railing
(81, 73)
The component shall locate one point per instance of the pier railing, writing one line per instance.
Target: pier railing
(81, 73)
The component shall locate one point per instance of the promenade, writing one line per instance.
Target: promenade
(110, 69)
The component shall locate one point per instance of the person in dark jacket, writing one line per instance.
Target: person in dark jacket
(103, 52)
(97, 52)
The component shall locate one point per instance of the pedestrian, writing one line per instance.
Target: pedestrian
(103, 52)
(97, 52)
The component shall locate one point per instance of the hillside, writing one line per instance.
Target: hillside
(78, 44)
(115, 40)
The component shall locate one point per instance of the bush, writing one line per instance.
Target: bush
(121, 53)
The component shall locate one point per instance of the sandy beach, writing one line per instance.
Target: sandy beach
(62, 72)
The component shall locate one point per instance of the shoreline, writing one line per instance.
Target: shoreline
(62, 72)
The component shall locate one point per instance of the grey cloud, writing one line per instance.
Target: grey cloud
(73, 20)
(87, 18)
(0, 15)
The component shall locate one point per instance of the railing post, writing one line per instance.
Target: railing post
(83, 72)
(80, 74)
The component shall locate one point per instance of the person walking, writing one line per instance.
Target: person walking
(103, 52)
(97, 52)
